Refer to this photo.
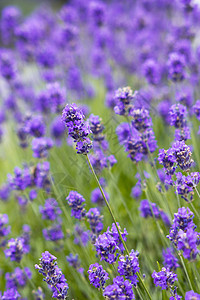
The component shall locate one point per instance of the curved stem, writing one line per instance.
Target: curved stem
(107, 204)
(113, 217)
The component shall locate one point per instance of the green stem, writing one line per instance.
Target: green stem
(107, 204)
(113, 217)
(186, 272)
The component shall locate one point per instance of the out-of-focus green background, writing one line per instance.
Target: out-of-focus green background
(28, 5)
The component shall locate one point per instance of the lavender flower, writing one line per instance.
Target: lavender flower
(176, 67)
(50, 211)
(183, 154)
(53, 233)
(140, 119)
(170, 260)
(96, 127)
(124, 98)
(129, 266)
(120, 289)
(77, 128)
(40, 146)
(96, 197)
(18, 278)
(53, 275)
(4, 228)
(191, 295)
(97, 276)
(106, 247)
(178, 114)
(183, 220)
(165, 278)
(188, 241)
(168, 160)
(152, 210)
(21, 179)
(114, 233)
(185, 185)
(15, 249)
(95, 220)
(75, 201)
(11, 294)
(74, 261)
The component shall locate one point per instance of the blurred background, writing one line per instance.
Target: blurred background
(28, 5)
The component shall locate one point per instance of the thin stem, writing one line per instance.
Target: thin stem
(186, 272)
(107, 204)
(139, 294)
(113, 217)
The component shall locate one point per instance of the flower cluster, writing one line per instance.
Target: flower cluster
(79, 130)
(183, 233)
(185, 185)
(138, 137)
(53, 275)
(74, 261)
(178, 155)
(99, 158)
(148, 209)
(109, 243)
(75, 201)
(97, 276)
(165, 278)
(120, 289)
(124, 100)
(177, 118)
(170, 260)
(129, 266)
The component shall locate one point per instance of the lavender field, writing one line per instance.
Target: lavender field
(100, 151)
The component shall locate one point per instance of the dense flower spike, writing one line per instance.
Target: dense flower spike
(18, 278)
(183, 154)
(170, 260)
(74, 261)
(120, 289)
(106, 247)
(75, 201)
(77, 128)
(129, 266)
(97, 276)
(165, 278)
(192, 295)
(100, 158)
(15, 249)
(53, 275)
(50, 211)
(183, 234)
(95, 220)
(185, 185)
(124, 100)
(176, 67)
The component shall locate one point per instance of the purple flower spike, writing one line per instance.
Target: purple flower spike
(79, 130)
(165, 278)
(120, 289)
(97, 276)
(75, 201)
(129, 266)
(191, 295)
(53, 275)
